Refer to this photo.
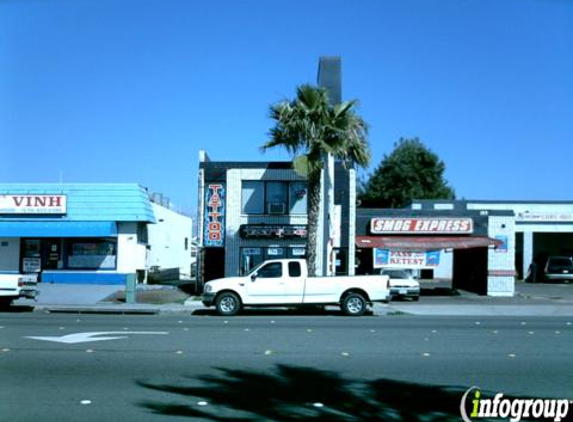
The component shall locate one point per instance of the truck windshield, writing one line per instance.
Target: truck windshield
(254, 270)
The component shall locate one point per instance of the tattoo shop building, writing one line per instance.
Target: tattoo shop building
(253, 211)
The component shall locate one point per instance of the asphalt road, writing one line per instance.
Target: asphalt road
(273, 367)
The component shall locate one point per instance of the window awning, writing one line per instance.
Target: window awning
(425, 243)
(58, 229)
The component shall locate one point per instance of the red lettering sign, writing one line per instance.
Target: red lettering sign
(421, 225)
(214, 215)
(33, 204)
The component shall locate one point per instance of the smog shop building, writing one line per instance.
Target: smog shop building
(476, 246)
(250, 212)
(542, 228)
(75, 233)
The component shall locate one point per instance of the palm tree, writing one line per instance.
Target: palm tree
(310, 129)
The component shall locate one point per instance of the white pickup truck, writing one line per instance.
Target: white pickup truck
(15, 286)
(285, 282)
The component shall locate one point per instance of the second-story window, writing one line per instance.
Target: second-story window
(276, 197)
(253, 197)
(273, 197)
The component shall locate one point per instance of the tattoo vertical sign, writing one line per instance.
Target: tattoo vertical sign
(214, 217)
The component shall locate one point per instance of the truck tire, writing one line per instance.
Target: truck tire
(353, 304)
(228, 304)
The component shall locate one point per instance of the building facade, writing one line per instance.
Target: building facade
(75, 233)
(542, 228)
(477, 247)
(253, 211)
(170, 239)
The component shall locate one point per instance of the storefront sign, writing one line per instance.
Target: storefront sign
(544, 216)
(31, 265)
(214, 217)
(405, 259)
(272, 231)
(33, 204)
(421, 225)
(501, 248)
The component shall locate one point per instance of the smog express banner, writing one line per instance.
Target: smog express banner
(405, 259)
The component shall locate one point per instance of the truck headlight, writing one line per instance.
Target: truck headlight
(208, 288)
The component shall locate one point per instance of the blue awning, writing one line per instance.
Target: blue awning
(58, 229)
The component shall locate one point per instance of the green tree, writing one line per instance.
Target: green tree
(310, 128)
(411, 171)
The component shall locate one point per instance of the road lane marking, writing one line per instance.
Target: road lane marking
(93, 336)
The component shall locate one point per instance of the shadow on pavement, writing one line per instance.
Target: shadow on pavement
(15, 309)
(438, 291)
(295, 393)
(278, 312)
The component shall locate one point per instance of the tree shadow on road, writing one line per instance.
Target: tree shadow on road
(294, 393)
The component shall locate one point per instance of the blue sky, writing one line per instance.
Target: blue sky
(130, 91)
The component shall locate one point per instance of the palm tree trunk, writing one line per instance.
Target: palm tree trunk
(313, 215)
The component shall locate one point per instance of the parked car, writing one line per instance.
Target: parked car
(402, 283)
(285, 282)
(558, 268)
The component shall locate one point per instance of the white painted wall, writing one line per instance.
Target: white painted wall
(9, 254)
(445, 269)
(167, 245)
(500, 260)
(131, 255)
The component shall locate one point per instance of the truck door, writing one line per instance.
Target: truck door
(267, 284)
(294, 285)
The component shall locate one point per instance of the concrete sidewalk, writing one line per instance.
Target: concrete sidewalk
(530, 300)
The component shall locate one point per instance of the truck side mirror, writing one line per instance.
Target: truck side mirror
(253, 276)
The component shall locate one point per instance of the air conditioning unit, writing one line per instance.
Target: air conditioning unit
(276, 208)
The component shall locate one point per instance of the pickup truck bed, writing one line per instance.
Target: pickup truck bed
(15, 286)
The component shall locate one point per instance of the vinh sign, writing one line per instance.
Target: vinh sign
(421, 225)
(33, 204)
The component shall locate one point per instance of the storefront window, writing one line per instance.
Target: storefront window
(32, 248)
(298, 253)
(250, 258)
(92, 254)
(276, 197)
(31, 255)
(276, 253)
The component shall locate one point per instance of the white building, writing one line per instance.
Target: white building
(170, 240)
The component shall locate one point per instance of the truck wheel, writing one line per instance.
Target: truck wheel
(228, 304)
(353, 304)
